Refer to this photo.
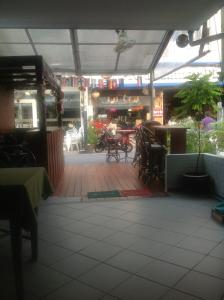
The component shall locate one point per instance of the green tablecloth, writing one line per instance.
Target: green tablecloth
(34, 180)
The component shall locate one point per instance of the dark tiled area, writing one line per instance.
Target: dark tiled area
(156, 249)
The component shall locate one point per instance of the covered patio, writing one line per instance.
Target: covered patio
(129, 248)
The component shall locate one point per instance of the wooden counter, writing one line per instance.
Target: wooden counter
(177, 137)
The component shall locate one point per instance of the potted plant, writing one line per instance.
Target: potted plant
(196, 96)
(91, 138)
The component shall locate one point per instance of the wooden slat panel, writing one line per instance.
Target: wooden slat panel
(16, 71)
(5, 77)
(55, 156)
(18, 66)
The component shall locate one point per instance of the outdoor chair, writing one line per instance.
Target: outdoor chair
(149, 156)
(113, 147)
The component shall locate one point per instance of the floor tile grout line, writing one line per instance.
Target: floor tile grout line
(77, 277)
(183, 292)
(149, 238)
(196, 271)
(72, 280)
(127, 248)
(141, 236)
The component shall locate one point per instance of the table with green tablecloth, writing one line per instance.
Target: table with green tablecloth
(21, 190)
(34, 180)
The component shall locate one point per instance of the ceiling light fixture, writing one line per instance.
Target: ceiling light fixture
(124, 43)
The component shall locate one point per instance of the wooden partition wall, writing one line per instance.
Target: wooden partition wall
(7, 119)
(32, 73)
(55, 155)
(53, 158)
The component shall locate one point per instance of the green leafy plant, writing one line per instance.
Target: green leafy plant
(206, 137)
(196, 96)
(217, 135)
(91, 135)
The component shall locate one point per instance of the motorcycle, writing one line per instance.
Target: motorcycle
(102, 143)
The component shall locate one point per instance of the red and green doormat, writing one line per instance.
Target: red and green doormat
(128, 193)
(122, 193)
(103, 194)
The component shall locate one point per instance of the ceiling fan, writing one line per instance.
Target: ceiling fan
(124, 43)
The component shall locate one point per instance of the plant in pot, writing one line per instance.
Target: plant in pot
(91, 138)
(197, 96)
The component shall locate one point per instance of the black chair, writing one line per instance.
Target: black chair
(149, 156)
(16, 156)
(112, 151)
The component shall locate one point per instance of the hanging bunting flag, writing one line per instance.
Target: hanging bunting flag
(100, 83)
(93, 83)
(110, 84)
(87, 81)
(139, 80)
(121, 82)
(114, 83)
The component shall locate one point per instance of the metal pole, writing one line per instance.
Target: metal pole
(152, 95)
(222, 63)
(188, 63)
(83, 116)
(222, 40)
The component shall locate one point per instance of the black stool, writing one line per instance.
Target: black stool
(112, 151)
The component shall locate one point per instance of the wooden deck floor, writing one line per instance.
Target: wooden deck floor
(90, 176)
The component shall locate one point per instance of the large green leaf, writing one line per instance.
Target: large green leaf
(197, 95)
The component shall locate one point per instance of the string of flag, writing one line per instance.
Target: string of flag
(83, 82)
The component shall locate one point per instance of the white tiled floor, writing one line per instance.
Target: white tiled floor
(156, 249)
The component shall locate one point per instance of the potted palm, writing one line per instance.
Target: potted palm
(197, 96)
